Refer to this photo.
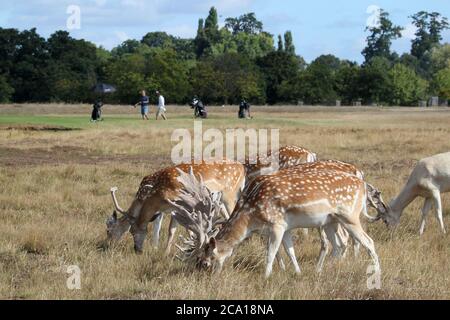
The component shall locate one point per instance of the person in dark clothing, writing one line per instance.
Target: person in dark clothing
(144, 102)
(244, 110)
(97, 111)
(199, 108)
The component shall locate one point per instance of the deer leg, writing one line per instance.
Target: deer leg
(425, 209)
(273, 244)
(289, 248)
(172, 229)
(342, 236)
(438, 208)
(332, 231)
(324, 248)
(357, 232)
(280, 261)
(356, 246)
(156, 229)
(344, 239)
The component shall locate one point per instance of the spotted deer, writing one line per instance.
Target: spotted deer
(288, 156)
(157, 190)
(303, 159)
(374, 199)
(275, 204)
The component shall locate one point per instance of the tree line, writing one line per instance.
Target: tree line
(223, 65)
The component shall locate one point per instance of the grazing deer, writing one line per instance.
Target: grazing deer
(429, 178)
(288, 156)
(374, 199)
(274, 204)
(157, 190)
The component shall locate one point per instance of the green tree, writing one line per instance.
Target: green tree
(126, 72)
(238, 77)
(374, 81)
(6, 91)
(405, 87)
(171, 74)
(201, 42)
(429, 29)
(158, 40)
(211, 28)
(280, 43)
(347, 82)
(251, 46)
(72, 68)
(319, 80)
(278, 67)
(288, 43)
(28, 71)
(380, 39)
(205, 81)
(440, 57)
(9, 47)
(441, 83)
(246, 23)
(185, 48)
(411, 61)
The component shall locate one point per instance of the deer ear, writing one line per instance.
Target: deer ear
(114, 215)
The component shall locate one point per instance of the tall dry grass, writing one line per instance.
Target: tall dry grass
(53, 213)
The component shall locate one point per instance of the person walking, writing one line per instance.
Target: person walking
(144, 102)
(161, 106)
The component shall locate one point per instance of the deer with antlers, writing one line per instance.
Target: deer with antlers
(158, 190)
(274, 204)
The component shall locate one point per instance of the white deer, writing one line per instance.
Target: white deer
(430, 178)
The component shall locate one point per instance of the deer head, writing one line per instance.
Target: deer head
(375, 199)
(115, 226)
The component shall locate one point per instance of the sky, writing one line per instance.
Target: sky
(318, 27)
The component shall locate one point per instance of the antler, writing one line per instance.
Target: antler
(197, 209)
(376, 201)
(116, 203)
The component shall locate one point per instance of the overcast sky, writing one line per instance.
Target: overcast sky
(318, 27)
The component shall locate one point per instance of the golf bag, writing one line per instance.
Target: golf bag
(243, 110)
(199, 109)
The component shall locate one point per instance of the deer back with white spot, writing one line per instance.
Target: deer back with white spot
(288, 156)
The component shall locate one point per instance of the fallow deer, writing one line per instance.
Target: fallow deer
(374, 199)
(157, 190)
(278, 203)
(429, 178)
(288, 156)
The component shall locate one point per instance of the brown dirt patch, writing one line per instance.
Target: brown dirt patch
(67, 155)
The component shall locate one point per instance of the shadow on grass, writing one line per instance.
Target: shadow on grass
(38, 128)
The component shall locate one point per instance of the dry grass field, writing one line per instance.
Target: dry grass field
(56, 169)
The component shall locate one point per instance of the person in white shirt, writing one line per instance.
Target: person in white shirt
(161, 106)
